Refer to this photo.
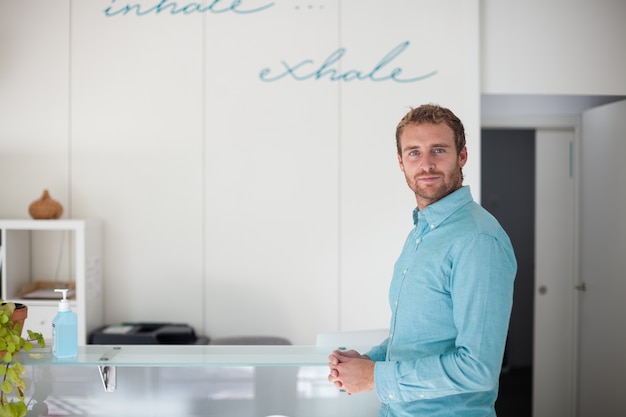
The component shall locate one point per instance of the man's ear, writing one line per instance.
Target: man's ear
(463, 157)
(400, 163)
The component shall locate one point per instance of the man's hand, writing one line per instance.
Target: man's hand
(350, 371)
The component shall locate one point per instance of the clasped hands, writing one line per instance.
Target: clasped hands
(350, 371)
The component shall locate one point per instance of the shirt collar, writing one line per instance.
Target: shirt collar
(437, 212)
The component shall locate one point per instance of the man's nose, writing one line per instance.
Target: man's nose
(427, 163)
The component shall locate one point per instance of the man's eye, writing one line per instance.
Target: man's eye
(439, 150)
(413, 153)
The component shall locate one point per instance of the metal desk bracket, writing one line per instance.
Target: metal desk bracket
(108, 373)
(108, 377)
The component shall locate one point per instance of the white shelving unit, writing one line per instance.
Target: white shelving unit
(63, 251)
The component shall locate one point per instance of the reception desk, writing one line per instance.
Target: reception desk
(189, 380)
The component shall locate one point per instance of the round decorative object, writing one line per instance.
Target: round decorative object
(45, 208)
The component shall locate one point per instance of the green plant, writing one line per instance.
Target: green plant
(11, 370)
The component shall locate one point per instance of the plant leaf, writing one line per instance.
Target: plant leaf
(16, 409)
(6, 387)
(18, 368)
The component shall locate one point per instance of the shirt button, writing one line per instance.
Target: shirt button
(391, 396)
(432, 226)
(421, 395)
(417, 241)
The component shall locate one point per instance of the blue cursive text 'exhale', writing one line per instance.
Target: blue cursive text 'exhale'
(382, 71)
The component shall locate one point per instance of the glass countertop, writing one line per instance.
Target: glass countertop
(183, 355)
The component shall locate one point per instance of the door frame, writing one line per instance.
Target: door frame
(571, 123)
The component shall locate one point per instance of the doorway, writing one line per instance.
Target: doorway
(508, 192)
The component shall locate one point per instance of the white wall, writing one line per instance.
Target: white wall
(238, 205)
(261, 207)
(553, 47)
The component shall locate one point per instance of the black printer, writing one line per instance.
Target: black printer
(147, 334)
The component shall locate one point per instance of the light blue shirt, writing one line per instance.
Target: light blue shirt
(450, 296)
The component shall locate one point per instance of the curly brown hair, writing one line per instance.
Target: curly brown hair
(433, 114)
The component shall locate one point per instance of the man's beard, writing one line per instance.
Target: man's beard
(432, 193)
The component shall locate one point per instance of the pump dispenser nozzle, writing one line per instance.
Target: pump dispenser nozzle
(64, 304)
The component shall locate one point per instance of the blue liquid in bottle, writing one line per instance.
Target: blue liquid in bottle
(65, 330)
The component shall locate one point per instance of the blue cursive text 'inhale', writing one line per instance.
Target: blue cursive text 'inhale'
(216, 6)
(307, 69)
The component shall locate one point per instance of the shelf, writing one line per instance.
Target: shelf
(19, 224)
(182, 355)
(53, 254)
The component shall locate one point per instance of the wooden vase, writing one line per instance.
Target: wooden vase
(45, 208)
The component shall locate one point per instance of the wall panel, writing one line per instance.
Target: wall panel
(376, 204)
(136, 156)
(34, 89)
(271, 173)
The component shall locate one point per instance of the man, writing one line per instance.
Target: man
(451, 292)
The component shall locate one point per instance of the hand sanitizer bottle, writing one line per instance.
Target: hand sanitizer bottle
(65, 330)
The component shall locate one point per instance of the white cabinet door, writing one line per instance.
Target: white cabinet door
(603, 262)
